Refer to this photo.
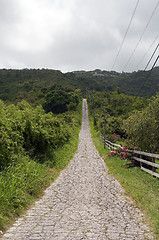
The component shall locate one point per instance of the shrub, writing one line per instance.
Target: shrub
(125, 155)
(26, 130)
(142, 127)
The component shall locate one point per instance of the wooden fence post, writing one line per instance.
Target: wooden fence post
(140, 162)
(104, 128)
(153, 168)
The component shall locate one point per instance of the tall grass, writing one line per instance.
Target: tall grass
(19, 185)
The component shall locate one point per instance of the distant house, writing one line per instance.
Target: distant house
(98, 74)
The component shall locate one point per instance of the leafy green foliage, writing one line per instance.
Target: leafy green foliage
(136, 119)
(59, 101)
(142, 127)
(117, 108)
(30, 84)
(24, 129)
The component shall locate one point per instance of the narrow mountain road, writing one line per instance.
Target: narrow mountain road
(85, 202)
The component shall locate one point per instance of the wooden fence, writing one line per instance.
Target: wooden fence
(144, 163)
(112, 146)
(148, 166)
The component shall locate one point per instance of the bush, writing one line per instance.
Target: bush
(142, 127)
(31, 131)
(125, 155)
(59, 101)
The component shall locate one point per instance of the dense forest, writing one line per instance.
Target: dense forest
(33, 84)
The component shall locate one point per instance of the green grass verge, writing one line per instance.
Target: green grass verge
(23, 183)
(140, 186)
(67, 151)
(19, 186)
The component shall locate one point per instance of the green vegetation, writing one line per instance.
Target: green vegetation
(142, 127)
(129, 83)
(59, 101)
(33, 84)
(117, 107)
(29, 130)
(20, 184)
(133, 119)
(142, 187)
(34, 147)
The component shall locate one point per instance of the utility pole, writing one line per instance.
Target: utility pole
(91, 107)
(104, 128)
(93, 112)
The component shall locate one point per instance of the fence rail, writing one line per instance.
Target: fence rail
(146, 165)
(110, 145)
(153, 155)
(151, 163)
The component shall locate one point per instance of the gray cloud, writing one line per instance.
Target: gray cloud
(74, 34)
(9, 12)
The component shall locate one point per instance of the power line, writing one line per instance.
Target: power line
(141, 36)
(151, 57)
(137, 67)
(148, 75)
(125, 34)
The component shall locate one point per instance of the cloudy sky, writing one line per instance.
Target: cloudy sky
(71, 35)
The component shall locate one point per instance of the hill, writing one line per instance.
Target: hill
(33, 84)
(29, 84)
(129, 83)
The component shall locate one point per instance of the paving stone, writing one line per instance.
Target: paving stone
(85, 202)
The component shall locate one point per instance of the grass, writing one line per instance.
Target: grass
(23, 183)
(140, 186)
(65, 153)
(19, 186)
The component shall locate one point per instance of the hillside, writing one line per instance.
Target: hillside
(33, 84)
(129, 83)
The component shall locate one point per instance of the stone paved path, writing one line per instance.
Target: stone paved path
(85, 202)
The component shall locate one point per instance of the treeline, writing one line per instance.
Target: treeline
(32, 84)
(134, 119)
(129, 83)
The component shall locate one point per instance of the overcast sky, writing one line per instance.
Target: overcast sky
(71, 35)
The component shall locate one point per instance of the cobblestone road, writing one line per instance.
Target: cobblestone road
(85, 202)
